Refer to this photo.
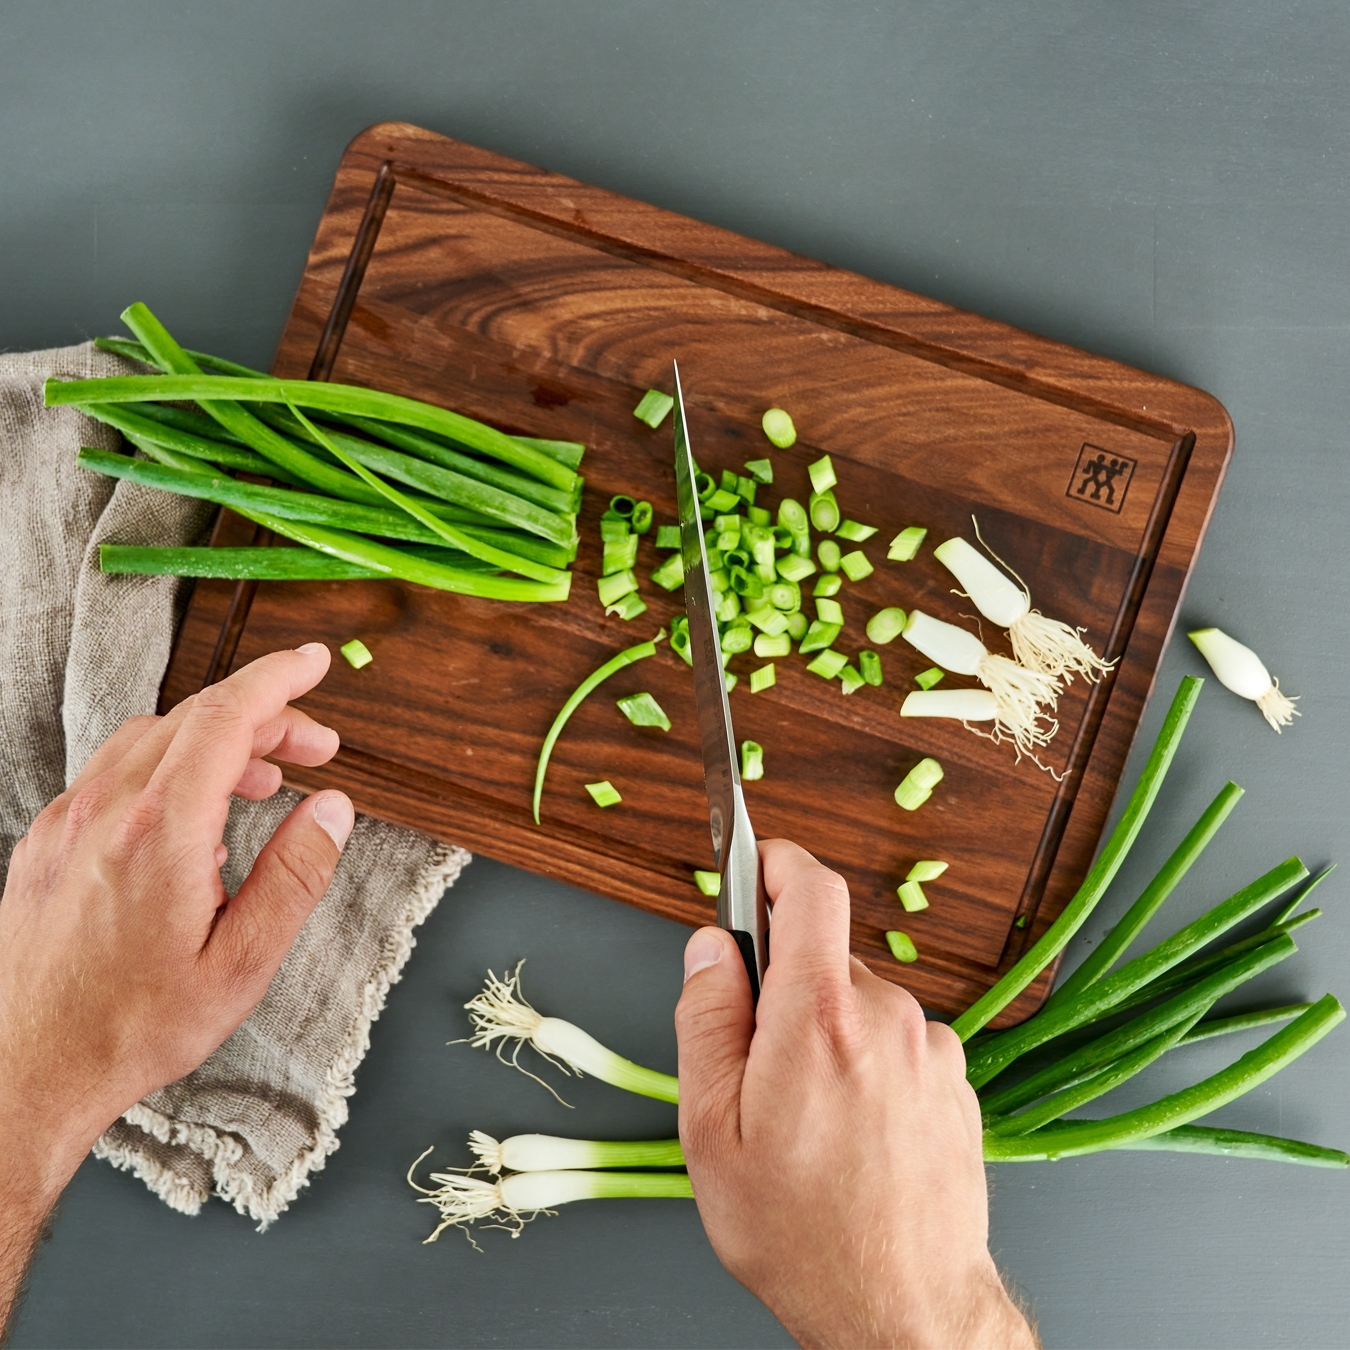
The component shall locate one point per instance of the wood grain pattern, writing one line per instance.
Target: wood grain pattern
(545, 307)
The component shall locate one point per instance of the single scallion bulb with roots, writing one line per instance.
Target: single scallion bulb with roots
(1040, 644)
(553, 1153)
(503, 1021)
(1018, 692)
(1240, 669)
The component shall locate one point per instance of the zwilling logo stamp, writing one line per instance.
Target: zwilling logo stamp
(1101, 478)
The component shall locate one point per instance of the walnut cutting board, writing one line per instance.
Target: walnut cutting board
(546, 307)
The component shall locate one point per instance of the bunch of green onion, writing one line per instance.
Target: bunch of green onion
(477, 512)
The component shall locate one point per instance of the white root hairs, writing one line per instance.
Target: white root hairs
(501, 1016)
(463, 1200)
(488, 1151)
(1018, 695)
(1278, 708)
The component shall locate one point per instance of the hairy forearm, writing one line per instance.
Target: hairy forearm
(31, 1182)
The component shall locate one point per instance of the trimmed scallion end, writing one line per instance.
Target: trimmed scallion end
(926, 679)
(854, 532)
(962, 705)
(779, 644)
(902, 946)
(708, 883)
(653, 408)
(851, 679)
(1241, 670)
(830, 611)
(828, 664)
(912, 896)
(855, 565)
(765, 677)
(670, 575)
(886, 625)
(869, 664)
(828, 584)
(642, 710)
(926, 869)
(906, 544)
(613, 588)
(779, 429)
(819, 636)
(752, 760)
(822, 475)
(604, 794)
(668, 536)
(629, 607)
(761, 470)
(356, 653)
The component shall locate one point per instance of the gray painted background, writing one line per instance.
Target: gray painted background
(1167, 183)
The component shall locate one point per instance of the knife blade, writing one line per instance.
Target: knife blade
(742, 907)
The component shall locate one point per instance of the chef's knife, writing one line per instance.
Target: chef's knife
(741, 905)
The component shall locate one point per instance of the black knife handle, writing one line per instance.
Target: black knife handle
(747, 945)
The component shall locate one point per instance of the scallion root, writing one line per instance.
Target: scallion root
(1241, 670)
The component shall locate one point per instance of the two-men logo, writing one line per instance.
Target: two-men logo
(1101, 478)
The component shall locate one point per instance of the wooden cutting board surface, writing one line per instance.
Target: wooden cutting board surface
(546, 307)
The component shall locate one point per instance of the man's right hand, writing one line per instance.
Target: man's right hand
(832, 1140)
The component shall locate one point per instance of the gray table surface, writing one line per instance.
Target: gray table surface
(1164, 183)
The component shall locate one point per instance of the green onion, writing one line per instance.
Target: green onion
(869, 665)
(780, 644)
(768, 620)
(752, 760)
(642, 517)
(855, 565)
(912, 896)
(1226, 1026)
(830, 611)
(709, 883)
(357, 653)
(612, 589)
(622, 506)
(653, 407)
(830, 583)
(854, 532)
(569, 453)
(851, 679)
(786, 596)
(1240, 669)
(604, 793)
(779, 429)
(668, 536)
(642, 710)
(822, 475)
(828, 664)
(230, 564)
(724, 499)
(828, 553)
(926, 679)
(797, 626)
(902, 946)
(1239, 1144)
(619, 555)
(550, 1153)
(757, 515)
(926, 869)
(793, 567)
(670, 575)
(745, 489)
(761, 470)
(592, 682)
(819, 636)
(628, 608)
(736, 638)
(885, 626)
(917, 785)
(906, 544)
(824, 511)
(136, 351)
(763, 678)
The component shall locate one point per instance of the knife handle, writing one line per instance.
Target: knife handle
(746, 943)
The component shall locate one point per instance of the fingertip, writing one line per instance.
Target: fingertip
(316, 649)
(335, 815)
(706, 948)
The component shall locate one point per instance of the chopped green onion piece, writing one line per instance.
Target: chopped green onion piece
(671, 573)
(828, 584)
(642, 517)
(752, 760)
(797, 625)
(912, 896)
(728, 607)
(710, 883)
(357, 653)
(769, 620)
(619, 555)
(854, 532)
(578, 696)
(730, 680)
(852, 679)
(792, 516)
(668, 536)
(614, 588)
(763, 678)
(828, 664)
(824, 511)
(745, 489)
(869, 663)
(653, 407)
(785, 595)
(737, 638)
(761, 470)
(622, 506)
(720, 580)
(906, 544)
(779, 429)
(728, 525)
(822, 475)
(927, 773)
(629, 607)
(830, 611)
(704, 485)
(885, 626)
(926, 869)
(926, 679)
(780, 644)
(728, 481)
(902, 947)
(918, 784)
(855, 565)
(722, 500)
(828, 553)
(746, 583)
(613, 528)
(793, 567)
(604, 794)
(819, 636)
(911, 797)
(757, 515)
(642, 710)
(680, 644)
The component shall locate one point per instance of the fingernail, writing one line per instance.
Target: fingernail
(335, 815)
(703, 950)
(311, 649)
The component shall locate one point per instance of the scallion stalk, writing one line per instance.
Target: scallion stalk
(552, 1153)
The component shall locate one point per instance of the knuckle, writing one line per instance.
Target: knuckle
(304, 866)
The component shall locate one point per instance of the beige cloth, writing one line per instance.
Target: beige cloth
(80, 653)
